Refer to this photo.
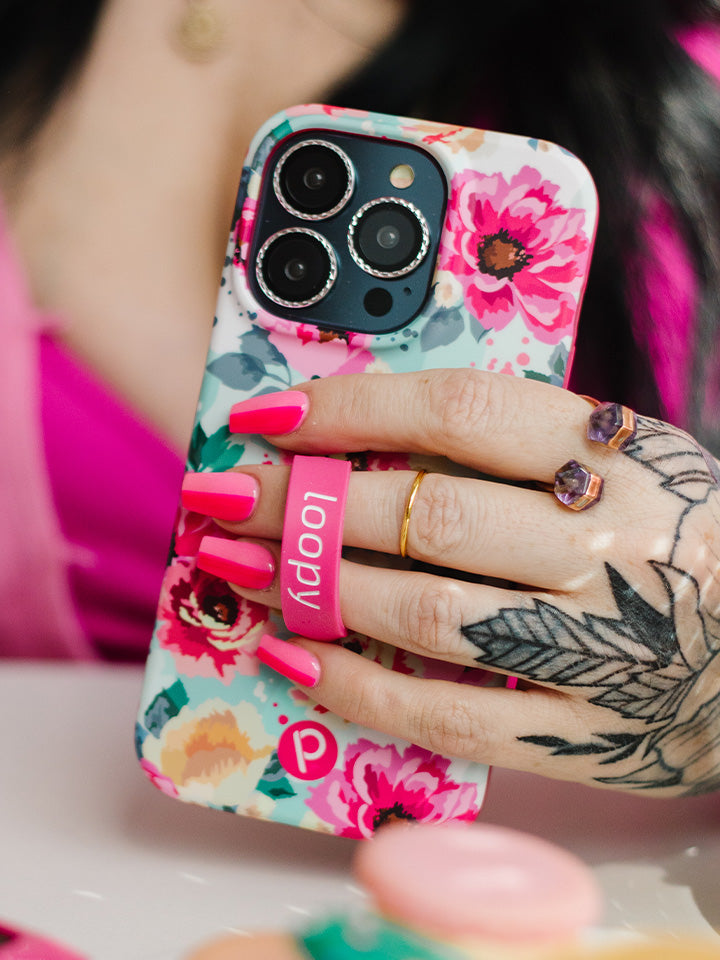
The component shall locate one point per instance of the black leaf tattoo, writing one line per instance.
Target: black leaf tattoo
(650, 626)
(633, 672)
(618, 745)
(681, 465)
(659, 671)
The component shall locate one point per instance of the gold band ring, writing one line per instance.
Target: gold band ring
(405, 525)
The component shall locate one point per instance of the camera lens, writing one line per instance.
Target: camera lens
(313, 179)
(388, 237)
(296, 268)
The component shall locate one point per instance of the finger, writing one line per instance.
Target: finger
(519, 632)
(418, 612)
(454, 621)
(472, 525)
(510, 427)
(482, 724)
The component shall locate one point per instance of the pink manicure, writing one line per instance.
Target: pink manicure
(239, 561)
(289, 660)
(272, 414)
(227, 496)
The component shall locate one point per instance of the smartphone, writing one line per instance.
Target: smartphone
(360, 242)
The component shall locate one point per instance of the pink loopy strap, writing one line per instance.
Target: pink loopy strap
(311, 547)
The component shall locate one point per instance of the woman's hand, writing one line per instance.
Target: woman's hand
(611, 621)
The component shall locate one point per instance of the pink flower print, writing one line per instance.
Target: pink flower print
(208, 628)
(379, 461)
(318, 353)
(378, 784)
(402, 661)
(305, 109)
(189, 531)
(159, 779)
(456, 138)
(246, 222)
(515, 250)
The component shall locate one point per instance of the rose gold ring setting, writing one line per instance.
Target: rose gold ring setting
(577, 487)
(612, 424)
(405, 525)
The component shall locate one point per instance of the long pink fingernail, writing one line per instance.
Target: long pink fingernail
(272, 414)
(247, 564)
(227, 496)
(289, 660)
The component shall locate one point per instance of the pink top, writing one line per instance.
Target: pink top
(115, 485)
(89, 491)
(89, 495)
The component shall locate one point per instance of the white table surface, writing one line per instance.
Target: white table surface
(95, 857)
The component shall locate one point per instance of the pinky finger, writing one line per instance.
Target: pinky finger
(481, 724)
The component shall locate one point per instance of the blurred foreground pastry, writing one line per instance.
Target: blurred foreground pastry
(458, 891)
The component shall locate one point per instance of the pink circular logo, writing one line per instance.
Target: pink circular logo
(307, 750)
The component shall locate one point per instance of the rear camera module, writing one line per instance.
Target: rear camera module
(388, 237)
(314, 179)
(296, 267)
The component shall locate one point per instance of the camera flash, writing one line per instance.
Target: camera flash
(402, 176)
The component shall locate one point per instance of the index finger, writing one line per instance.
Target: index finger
(519, 429)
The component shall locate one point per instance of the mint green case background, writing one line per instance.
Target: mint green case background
(214, 723)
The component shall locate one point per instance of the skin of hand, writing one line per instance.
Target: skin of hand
(611, 621)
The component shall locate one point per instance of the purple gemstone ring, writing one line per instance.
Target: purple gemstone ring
(577, 487)
(612, 424)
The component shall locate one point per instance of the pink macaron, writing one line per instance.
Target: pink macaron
(465, 882)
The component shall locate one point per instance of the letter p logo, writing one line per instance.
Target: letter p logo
(307, 750)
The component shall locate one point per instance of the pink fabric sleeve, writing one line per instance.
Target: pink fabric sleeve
(115, 485)
(88, 495)
(37, 615)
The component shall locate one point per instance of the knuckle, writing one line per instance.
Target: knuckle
(461, 402)
(439, 519)
(454, 728)
(358, 694)
(434, 617)
(354, 694)
(355, 406)
(361, 703)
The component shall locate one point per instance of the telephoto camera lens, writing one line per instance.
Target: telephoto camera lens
(314, 179)
(296, 268)
(388, 237)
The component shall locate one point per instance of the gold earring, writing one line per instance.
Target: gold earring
(201, 32)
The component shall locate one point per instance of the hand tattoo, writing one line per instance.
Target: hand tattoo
(660, 672)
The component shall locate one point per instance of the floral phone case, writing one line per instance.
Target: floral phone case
(507, 273)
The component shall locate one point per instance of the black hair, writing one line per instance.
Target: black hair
(41, 42)
(609, 80)
(605, 78)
